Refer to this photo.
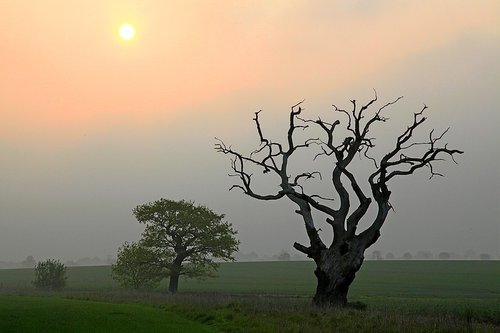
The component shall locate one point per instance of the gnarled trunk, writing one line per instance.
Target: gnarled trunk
(335, 272)
(337, 263)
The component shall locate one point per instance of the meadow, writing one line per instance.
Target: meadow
(418, 296)
(50, 314)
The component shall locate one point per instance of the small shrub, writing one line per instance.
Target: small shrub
(135, 268)
(50, 274)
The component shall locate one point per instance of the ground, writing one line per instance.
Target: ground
(418, 296)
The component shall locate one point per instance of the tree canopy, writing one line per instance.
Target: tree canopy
(184, 239)
(133, 267)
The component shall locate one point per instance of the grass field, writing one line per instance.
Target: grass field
(442, 279)
(275, 297)
(52, 314)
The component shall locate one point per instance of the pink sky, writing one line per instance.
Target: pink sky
(65, 71)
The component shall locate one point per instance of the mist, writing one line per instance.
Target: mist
(68, 187)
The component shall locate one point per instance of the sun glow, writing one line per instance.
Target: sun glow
(127, 31)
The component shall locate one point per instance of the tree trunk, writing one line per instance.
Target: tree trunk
(175, 272)
(174, 282)
(335, 272)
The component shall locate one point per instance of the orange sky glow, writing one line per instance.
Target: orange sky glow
(65, 70)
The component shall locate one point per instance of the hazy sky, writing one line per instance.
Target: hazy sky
(92, 126)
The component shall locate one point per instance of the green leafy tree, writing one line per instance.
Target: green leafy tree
(50, 274)
(185, 238)
(134, 267)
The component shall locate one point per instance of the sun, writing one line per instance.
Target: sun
(126, 31)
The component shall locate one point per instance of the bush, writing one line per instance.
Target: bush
(50, 274)
(135, 268)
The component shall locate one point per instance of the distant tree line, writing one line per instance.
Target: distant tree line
(428, 255)
(374, 255)
(280, 256)
(30, 262)
(95, 261)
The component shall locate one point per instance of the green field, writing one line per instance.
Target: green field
(51, 314)
(275, 296)
(442, 279)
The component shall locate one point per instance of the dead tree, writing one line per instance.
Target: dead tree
(338, 262)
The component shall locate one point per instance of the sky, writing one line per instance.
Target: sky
(92, 126)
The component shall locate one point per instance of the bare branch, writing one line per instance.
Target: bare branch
(306, 175)
(425, 160)
(349, 118)
(295, 111)
(366, 106)
(237, 165)
(321, 197)
(323, 153)
(405, 158)
(365, 153)
(304, 249)
(259, 129)
(377, 116)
